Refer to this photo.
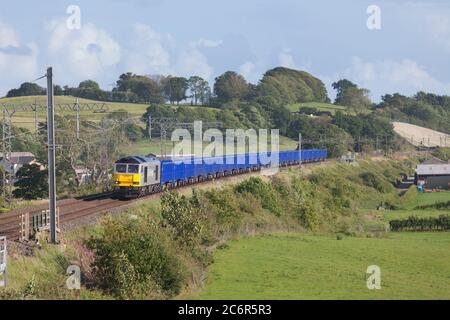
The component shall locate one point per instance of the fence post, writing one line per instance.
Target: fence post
(25, 227)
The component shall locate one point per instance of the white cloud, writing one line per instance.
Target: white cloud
(207, 43)
(286, 60)
(149, 51)
(248, 70)
(156, 53)
(8, 36)
(388, 76)
(18, 61)
(194, 62)
(82, 53)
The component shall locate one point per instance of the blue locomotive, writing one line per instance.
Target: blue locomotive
(136, 176)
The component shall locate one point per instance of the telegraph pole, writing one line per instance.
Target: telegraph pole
(149, 127)
(77, 108)
(51, 155)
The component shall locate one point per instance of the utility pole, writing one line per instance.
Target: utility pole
(149, 127)
(77, 108)
(8, 172)
(36, 127)
(51, 155)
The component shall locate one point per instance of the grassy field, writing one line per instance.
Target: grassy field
(428, 198)
(26, 119)
(408, 209)
(294, 266)
(319, 106)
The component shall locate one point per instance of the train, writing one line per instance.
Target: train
(137, 176)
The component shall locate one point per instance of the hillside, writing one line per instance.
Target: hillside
(420, 136)
(26, 119)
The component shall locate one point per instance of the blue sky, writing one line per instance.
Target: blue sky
(330, 39)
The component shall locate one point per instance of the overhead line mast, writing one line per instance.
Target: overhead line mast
(51, 155)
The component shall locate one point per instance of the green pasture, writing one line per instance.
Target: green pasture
(296, 266)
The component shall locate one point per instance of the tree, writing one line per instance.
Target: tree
(198, 88)
(348, 94)
(175, 89)
(341, 86)
(230, 86)
(290, 86)
(32, 182)
(26, 89)
(57, 90)
(89, 84)
(135, 88)
(395, 100)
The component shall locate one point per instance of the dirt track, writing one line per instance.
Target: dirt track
(420, 136)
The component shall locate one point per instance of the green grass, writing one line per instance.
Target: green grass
(405, 214)
(319, 106)
(408, 209)
(428, 198)
(26, 119)
(294, 266)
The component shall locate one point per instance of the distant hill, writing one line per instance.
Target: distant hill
(292, 86)
(420, 136)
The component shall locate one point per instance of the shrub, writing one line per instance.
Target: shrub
(262, 191)
(220, 203)
(414, 223)
(133, 257)
(178, 212)
(309, 214)
(375, 181)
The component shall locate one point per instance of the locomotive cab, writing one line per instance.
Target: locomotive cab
(136, 176)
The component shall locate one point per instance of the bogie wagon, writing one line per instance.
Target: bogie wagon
(136, 176)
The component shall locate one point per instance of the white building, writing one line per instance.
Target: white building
(17, 161)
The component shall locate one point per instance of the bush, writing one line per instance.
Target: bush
(262, 191)
(220, 203)
(414, 223)
(375, 181)
(133, 257)
(179, 213)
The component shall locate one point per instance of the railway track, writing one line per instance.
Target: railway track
(73, 211)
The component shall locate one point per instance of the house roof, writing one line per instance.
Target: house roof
(433, 169)
(20, 157)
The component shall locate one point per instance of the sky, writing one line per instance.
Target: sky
(409, 52)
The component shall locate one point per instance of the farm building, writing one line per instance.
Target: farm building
(17, 161)
(433, 174)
